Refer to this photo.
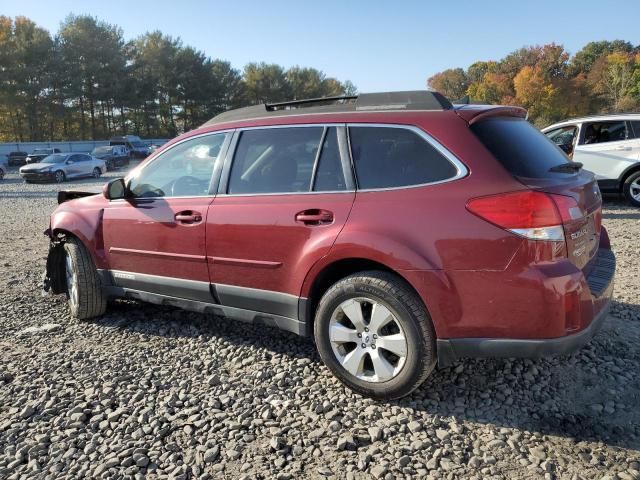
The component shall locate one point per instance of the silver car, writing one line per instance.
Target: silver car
(63, 166)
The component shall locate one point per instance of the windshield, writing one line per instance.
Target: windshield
(54, 159)
(101, 151)
(41, 150)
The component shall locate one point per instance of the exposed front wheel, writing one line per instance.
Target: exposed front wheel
(631, 189)
(375, 335)
(84, 289)
(96, 172)
(59, 176)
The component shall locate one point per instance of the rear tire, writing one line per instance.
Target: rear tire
(406, 351)
(84, 290)
(631, 189)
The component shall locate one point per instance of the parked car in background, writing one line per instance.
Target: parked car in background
(114, 156)
(17, 158)
(3, 166)
(397, 229)
(607, 145)
(40, 153)
(136, 148)
(63, 166)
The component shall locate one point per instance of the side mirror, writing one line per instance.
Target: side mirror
(115, 189)
(68, 162)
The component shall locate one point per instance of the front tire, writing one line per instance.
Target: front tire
(96, 172)
(84, 289)
(59, 176)
(631, 189)
(374, 333)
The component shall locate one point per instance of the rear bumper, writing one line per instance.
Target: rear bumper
(600, 281)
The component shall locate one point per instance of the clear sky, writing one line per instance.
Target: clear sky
(390, 45)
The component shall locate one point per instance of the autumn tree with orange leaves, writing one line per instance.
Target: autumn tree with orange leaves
(603, 76)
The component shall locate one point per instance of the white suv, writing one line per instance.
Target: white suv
(608, 145)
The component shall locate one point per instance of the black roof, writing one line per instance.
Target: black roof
(409, 100)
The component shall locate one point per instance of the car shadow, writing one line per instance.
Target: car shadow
(563, 396)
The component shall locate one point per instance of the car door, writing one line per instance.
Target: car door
(73, 166)
(606, 148)
(285, 194)
(154, 240)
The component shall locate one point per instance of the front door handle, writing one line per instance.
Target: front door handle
(315, 216)
(621, 147)
(188, 217)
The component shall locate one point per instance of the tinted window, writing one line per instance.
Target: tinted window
(636, 128)
(329, 174)
(275, 160)
(519, 147)
(396, 157)
(563, 135)
(602, 132)
(182, 171)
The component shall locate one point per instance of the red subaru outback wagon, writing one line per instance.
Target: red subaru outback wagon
(397, 229)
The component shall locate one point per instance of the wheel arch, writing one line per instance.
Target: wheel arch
(627, 173)
(86, 228)
(319, 281)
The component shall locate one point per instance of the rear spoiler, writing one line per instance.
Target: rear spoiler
(474, 113)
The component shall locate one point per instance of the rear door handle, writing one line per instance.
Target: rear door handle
(188, 217)
(314, 216)
(621, 147)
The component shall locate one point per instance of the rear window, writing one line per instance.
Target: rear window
(521, 149)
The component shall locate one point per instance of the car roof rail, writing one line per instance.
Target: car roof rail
(414, 100)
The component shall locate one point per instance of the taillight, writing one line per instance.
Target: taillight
(531, 214)
(597, 221)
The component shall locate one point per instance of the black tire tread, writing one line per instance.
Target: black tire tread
(92, 301)
(402, 291)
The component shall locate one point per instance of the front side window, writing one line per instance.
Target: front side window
(274, 160)
(563, 137)
(602, 132)
(182, 171)
(387, 157)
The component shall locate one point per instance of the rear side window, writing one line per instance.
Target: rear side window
(329, 176)
(388, 157)
(275, 160)
(521, 149)
(603, 132)
(635, 125)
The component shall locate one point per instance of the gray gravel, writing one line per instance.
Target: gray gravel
(154, 392)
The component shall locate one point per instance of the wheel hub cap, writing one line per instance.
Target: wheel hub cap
(635, 190)
(367, 339)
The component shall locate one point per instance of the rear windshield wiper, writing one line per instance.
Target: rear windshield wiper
(569, 167)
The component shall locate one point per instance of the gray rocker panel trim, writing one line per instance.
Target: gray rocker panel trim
(266, 307)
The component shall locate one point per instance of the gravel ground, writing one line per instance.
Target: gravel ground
(155, 392)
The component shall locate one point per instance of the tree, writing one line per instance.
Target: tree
(452, 83)
(535, 92)
(266, 83)
(585, 58)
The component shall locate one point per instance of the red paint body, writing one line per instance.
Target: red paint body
(476, 279)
